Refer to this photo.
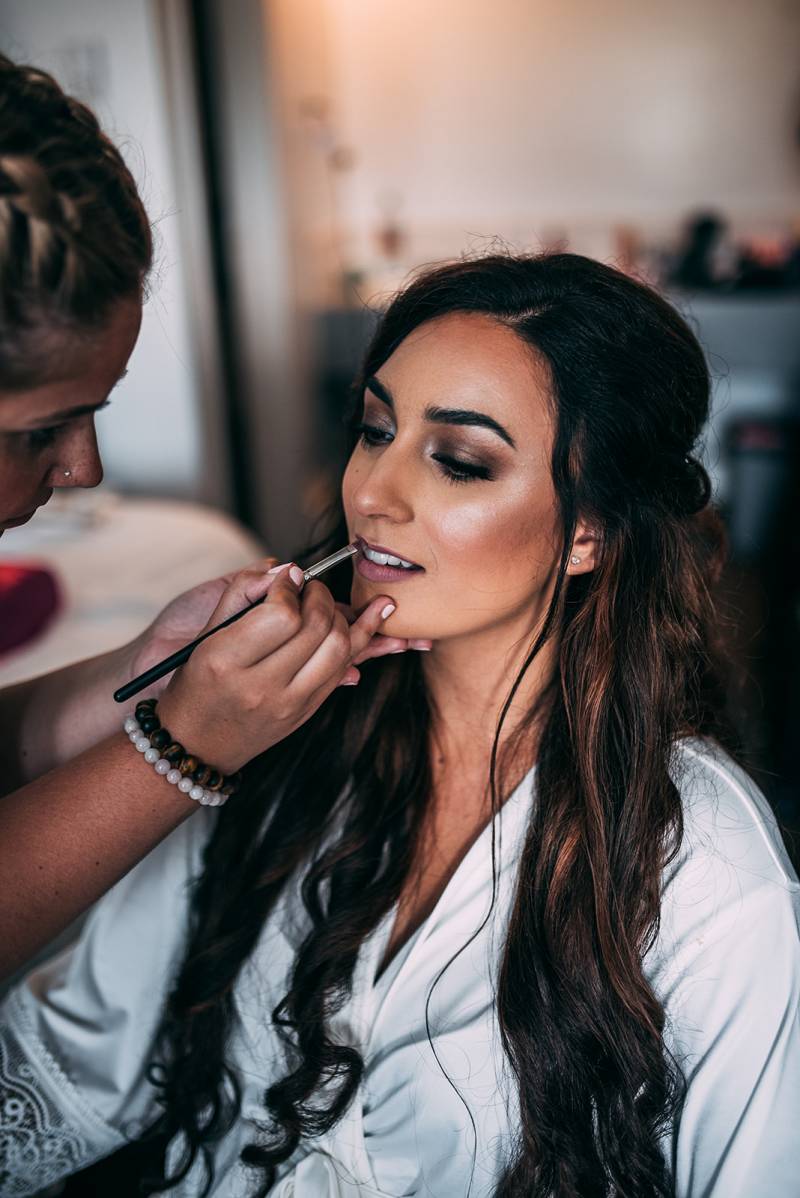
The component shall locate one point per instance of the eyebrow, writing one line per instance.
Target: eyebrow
(68, 414)
(71, 413)
(459, 416)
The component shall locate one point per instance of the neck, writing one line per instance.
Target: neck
(468, 681)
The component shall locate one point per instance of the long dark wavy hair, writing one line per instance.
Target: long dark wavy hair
(637, 668)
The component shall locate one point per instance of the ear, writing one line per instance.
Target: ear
(585, 548)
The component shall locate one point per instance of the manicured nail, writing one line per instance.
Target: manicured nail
(275, 569)
(422, 648)
(387, 611)
(296, 575)
(353, 683)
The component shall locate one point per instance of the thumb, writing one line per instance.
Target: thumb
(368, 623)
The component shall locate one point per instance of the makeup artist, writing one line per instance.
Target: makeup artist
(80, 807)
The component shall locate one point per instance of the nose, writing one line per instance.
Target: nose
(78, 454)
(383, 487)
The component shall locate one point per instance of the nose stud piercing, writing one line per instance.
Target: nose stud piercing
(67, 474)
(576, 561)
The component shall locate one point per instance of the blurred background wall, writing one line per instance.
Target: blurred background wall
(301, 157)
(532, 118)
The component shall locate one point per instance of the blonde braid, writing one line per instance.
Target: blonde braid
(74, 236)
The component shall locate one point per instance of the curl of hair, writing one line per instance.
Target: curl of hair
(637, 669)
(74, 236)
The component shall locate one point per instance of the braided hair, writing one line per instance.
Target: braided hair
(74, 235)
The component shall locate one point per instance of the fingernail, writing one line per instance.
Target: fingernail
(296, 575)
(422, 648)
(353, 683)
(387, 611)
(275, 569)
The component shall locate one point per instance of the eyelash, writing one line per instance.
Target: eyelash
(41, 438)
(454, 470)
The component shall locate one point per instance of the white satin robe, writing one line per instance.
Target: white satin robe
(76, 1036)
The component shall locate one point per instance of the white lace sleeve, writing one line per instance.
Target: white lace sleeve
(47, 1131)
(76, 1037)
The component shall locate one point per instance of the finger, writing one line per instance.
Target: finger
(369, 623)
(352, 677)
(247, 587)
(382, 646)
(308, 619)
(261, 630)
(326, 665)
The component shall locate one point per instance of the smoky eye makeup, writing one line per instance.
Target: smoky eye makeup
(456, 463)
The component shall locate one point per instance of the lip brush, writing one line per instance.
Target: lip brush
(181, 655)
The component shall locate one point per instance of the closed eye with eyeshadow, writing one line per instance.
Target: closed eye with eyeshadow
(36, 439)
(454, 470)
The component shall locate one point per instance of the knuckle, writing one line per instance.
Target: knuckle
(250, 701)
(318, 621)
(340, 642)
(287, 617)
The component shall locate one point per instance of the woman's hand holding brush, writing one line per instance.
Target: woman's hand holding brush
(253, 683)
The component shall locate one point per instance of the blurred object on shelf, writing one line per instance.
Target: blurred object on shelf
(705, 258)
(766, 262)
(627, 248)
(390, 235)
(712, 257)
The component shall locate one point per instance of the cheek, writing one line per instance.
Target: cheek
(504, 532)
(20, 484)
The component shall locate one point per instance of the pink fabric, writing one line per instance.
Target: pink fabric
(29, 599)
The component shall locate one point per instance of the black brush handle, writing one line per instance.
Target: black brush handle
(175, 659)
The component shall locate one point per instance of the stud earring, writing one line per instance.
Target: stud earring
(576, 561)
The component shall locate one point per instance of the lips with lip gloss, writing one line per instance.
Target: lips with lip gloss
(377, 573)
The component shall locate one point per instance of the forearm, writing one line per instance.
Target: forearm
(47, 721)
(71, 834)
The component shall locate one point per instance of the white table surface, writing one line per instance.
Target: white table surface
(118, 560)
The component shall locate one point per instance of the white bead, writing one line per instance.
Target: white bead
(185, 785)
(163, 766)
(209, 798)
(196, 793)
(174, 777)
(130, 725)
(134, 736)
(142, 743)
(151, 756)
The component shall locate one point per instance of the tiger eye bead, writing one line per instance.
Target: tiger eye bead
(145, 708)
(188, 765)
(174, 753)
(227, 789)
(160, 739)
(149, 724)
(214, 780)
(202, 774)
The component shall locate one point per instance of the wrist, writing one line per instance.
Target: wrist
(204, 740)
(197, 778)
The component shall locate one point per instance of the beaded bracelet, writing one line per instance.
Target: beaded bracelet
(193, 777)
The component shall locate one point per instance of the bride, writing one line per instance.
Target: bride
(515, 921)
